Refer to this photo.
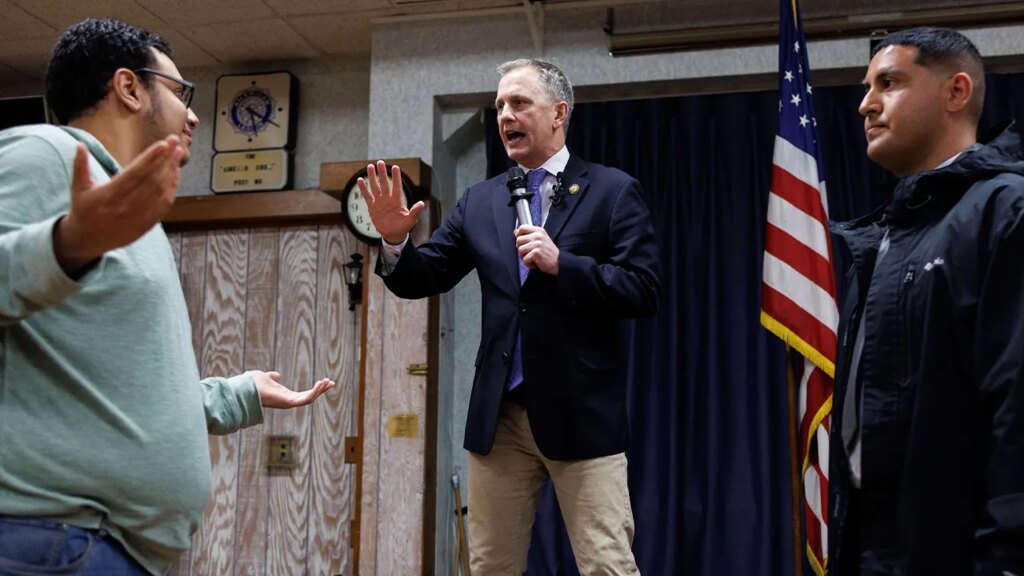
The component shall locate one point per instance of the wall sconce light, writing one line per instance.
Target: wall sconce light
(354, 280)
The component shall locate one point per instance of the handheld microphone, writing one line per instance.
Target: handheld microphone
(516, 183)
(559, 191)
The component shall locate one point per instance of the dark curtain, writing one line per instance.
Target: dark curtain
(709, 464)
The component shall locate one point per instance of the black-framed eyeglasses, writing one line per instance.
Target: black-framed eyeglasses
(188, 89)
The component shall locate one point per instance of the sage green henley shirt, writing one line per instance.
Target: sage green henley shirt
(103, 417)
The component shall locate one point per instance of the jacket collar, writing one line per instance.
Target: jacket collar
(927, 194)
(924, 195)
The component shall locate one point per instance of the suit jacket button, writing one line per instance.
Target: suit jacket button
(522, 308)
(504, 356)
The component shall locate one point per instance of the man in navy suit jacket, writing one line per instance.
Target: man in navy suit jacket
(548, 396)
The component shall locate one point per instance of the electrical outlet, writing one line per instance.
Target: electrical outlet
(281, 452)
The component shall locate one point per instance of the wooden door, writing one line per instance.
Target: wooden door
(274, 298)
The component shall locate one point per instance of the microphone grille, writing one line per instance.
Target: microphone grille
(515, 178)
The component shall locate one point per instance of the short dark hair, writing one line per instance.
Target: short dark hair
(84, 61)
(943, 48)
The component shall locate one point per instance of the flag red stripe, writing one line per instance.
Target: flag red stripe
(801, 322)
(802, 258)
(798, 193)
(813, 535)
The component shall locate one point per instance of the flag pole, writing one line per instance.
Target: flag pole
(794, 468)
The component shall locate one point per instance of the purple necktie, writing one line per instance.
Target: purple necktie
(533, 181)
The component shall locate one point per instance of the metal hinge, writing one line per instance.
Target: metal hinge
(418, 369)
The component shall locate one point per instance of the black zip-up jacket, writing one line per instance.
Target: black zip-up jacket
(942, 373)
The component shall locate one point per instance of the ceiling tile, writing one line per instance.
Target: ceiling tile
(17, 24)
(347, 34)
(9, 75)
(193, 12)
(63, 13)
(303, 7)
(27, 56)
(186, 53)
(252, 40)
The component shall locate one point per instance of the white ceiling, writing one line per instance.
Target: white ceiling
(212, 32)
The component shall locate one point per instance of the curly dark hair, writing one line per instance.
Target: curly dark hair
(84, 61)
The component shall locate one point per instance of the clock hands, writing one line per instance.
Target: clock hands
(255, 113)
(252, 122)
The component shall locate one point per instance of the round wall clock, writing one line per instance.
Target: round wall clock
(255, 111)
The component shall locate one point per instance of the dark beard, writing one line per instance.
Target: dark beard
(153, 133)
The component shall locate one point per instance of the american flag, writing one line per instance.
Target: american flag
(798, 294)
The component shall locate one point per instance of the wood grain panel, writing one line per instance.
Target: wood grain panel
(252, 209)
(332, 416)
(174, 239)
(260, 334)
(372, 422)
(335, 176)
(192, 272)
(223, 346)
(289, 497)
(394, 473)
(275, 298)
(401, 483)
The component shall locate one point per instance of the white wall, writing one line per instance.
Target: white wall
(332, 127)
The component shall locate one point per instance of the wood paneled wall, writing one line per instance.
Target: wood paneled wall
(398, 471)
(275, 299)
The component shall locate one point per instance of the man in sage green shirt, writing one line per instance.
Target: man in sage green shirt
(104, 461)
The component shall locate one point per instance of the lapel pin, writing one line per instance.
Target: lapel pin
(574, 188)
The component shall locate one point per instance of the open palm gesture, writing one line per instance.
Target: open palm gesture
(386, 203)
(109, 215)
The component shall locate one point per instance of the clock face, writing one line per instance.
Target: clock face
(255, 111)
(357, 214)
(252, 111)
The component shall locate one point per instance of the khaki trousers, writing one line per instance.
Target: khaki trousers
(504, 487)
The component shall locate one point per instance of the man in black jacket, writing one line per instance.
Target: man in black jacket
(927, 462)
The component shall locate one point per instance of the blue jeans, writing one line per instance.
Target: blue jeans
(32, 546)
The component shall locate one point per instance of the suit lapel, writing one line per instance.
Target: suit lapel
(574, 175)
(505, 225)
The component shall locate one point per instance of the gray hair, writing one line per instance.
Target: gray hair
(552, 81)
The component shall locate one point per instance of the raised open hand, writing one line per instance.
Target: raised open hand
(115, 214)
(386, 203)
